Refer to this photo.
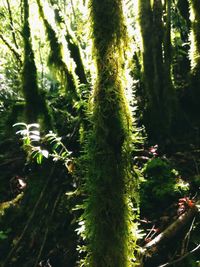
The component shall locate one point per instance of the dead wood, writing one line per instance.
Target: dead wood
(154, 245)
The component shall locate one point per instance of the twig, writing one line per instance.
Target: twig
(187, 237)
(12, 24)
(181, 258)
(12, 48)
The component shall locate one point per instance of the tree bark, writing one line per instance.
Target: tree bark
(107, 215)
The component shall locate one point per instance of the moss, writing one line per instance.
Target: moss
(29, 73)
(56, 62)
(195, 34)
(76, 55)
(156, 77)
(35, 105)
(107, 215)
(195, 56)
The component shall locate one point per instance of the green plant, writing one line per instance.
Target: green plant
(3, 235)
(162, 185)
(36, 146)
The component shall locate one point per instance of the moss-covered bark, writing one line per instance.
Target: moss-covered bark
(169, 98)
(159, 96)
(35, 104)
(30, 87)
(73, 46)
(195, 34)
(76, 55)
(107, 216)
(56, 62)
(195, 54)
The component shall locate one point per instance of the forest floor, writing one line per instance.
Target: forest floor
(160, 208)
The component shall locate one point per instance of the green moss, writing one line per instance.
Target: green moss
(29, 72)
(156, 77)
(195, 34)
(35, 106)
(162, 185)
(56, 62)
(195, 56)
(108, 220)
(76, 55)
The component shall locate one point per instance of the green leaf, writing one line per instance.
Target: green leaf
(22, 132)
(35, 132)
(65, 153)
(27, 141)
(35, 137)
(36, 125)
(45, 153)
(20, 124)
(2, 235)
(39, 158)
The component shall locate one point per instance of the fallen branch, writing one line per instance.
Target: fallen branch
(181, 258)
(168, 233)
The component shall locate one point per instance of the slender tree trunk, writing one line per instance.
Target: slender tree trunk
(35, 105)
(29, 73)
(56, 62)
(107, 215)
(156, 68)
(195, 34)
(151, 96)
(195, 54)
(73, 46)
(168, 94)
(12, 24)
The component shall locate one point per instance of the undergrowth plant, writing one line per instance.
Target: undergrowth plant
(161, 184)
(48, 146)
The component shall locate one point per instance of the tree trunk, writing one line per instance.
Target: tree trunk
(35, 104)
(156, 70)
(56, 62)
(195, 56)
(107, 215)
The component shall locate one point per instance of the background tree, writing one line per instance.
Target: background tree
(195, 57)
(158, 93)
(34, 103)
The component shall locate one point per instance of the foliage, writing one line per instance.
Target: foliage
(47, 70)
(162, 184)
(32, 144)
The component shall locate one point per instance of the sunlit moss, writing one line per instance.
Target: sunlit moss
(195, 35)
(108, 214)
(57, 56)
(6, 205)
(35, 107)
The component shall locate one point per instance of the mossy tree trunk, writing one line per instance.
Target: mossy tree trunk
(195, 31)
(30, 86)
(195, 55)
(35, 105)
(169, 99)
(56, 62)
(159, 96)
(73, 45)
(107, 216)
